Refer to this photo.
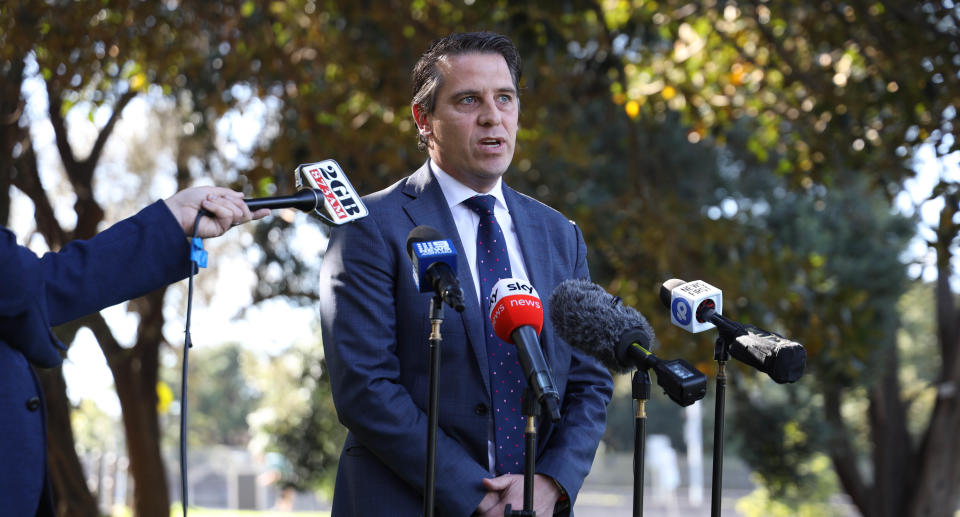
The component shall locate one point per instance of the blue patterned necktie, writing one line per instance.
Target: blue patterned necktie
(506, 375)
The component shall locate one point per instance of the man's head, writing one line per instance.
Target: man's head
(466, 105)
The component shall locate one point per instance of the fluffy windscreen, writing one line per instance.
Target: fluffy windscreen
(593, 320)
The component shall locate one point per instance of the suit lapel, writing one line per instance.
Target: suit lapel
(429, 207)
(531, 233)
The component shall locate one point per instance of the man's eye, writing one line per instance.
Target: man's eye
(468, 100)
(505, 98)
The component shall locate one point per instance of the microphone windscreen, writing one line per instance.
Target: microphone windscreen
(422, 233)
(783, 360)
(594, 321)
(666, 290)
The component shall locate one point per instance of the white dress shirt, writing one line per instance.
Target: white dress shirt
(467, 222)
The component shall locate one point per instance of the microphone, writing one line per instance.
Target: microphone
(517, 317)
(594, 321)
(434, 261)
(305, 199)
(697, 305)
(320, 184)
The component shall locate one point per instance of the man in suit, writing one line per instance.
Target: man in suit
(131, 258)
(376, 327)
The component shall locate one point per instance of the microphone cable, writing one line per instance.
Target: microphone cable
(198, 258)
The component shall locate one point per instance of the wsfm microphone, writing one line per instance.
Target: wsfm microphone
(434, 261)
(594, 321)
(696, 306)
(326, 186)
(517, 317)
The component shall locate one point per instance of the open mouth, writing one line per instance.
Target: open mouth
(491, 143)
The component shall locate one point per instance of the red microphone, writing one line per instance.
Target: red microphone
(516, 313)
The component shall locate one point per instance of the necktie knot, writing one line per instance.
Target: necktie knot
(482, 205)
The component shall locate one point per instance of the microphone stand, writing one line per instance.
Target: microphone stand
(721, 353)
(641, 394)
(436, 319)
(531, 410)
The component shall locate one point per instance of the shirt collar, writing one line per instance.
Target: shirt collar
(456, 192)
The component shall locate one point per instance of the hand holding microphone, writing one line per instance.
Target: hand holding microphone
(696, 306)
(517, 317)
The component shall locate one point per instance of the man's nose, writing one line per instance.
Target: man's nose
(489, 115)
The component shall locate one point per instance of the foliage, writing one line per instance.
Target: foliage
(738, 142)
(221, 393)
(807, 499)
(297, 419)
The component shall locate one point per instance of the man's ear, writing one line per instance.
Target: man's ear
(422, 119)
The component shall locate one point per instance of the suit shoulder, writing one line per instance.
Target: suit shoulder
(542, 210)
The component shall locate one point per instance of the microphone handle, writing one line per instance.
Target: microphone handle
(306, 199)
(535, 369)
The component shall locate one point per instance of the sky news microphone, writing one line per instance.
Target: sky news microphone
(324, 190)
(434, 260)
(696, 306)
(517, 317)
(594, 321)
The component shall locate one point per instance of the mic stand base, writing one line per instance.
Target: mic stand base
(436, 319)
(641, 394)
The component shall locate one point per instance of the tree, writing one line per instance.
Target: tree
(635, 114)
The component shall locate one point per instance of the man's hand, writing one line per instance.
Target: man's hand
(226, 205)
(508, 489)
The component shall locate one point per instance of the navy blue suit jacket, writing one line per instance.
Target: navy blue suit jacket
(375, 335)
(133, 257)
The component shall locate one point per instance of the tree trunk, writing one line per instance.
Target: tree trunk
(135, 374)
(893, 476)
(71, 494)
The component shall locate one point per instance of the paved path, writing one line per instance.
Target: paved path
(617, 501)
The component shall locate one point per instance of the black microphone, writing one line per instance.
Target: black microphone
(594, 321)
(434, 261)
(306, 199)
(324, 190)
(783, 360)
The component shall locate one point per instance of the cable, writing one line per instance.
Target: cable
(197, 259)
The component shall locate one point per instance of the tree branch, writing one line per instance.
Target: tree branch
(107, 130)
(27, 179)
(843, 456)
(54, 109)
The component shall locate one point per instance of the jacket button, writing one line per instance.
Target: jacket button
(480, 409)
(33, 403)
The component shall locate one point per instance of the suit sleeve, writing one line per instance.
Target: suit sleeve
(358, 315)
(131, 258)
(569, 454)
(134, 256)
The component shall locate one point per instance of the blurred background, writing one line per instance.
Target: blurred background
(800, 155)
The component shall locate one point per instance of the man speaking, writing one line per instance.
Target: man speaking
(376, 327)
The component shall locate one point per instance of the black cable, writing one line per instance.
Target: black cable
(183, 383)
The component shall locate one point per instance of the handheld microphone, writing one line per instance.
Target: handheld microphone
(306, 200)
(695, 304)
(517, 317)
(434, 261)
(319, 184)
(594, 321)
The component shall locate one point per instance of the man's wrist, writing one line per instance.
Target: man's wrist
(563, 499)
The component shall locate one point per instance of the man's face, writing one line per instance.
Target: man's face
(473, 128)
